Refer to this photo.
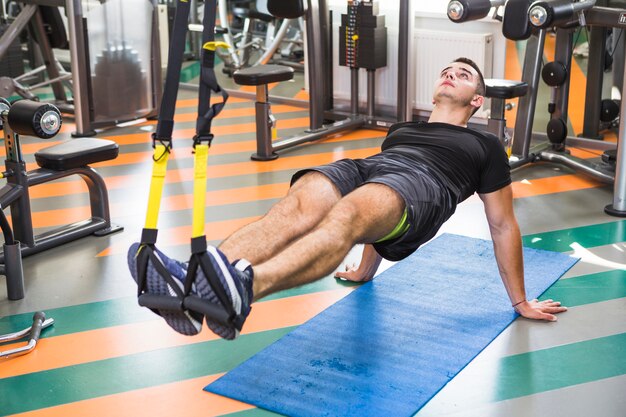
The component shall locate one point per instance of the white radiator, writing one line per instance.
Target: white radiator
(435, 49)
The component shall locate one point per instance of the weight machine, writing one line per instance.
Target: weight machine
(526, 20)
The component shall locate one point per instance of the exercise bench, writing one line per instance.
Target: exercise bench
(72, 157)
(499, 91)
(260, 76)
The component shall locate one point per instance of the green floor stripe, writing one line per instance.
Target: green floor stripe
(587, 236)
(587, 289)
(560, 367)
(121, 311)
(83, 317)
(190, 72)
(127, 373)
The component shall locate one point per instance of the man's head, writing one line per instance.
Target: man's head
(461, 83)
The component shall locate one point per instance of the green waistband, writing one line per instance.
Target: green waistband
(400, 229)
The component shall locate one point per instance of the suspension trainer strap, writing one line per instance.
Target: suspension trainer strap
(165, 125)
(208, 80)
(200, 160)
(162, 138)
(157, 182)
(206, 113)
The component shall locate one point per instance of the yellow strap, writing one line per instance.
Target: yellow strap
(200, 160)
(159, 168)
(213, 45)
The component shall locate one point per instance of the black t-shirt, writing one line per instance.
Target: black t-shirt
(463, 160)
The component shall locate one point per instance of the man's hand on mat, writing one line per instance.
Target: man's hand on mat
(353, 273)
(540, 310)
(370, 260)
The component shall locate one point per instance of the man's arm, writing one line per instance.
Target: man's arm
(507, 244)
(367, 268)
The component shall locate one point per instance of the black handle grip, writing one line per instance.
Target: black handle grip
(460, 11)
(38, 320)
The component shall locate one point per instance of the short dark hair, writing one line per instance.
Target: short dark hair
(481, 89)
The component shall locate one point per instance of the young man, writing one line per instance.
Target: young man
(393, 201)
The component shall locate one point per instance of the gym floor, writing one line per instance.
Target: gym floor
(105, 356)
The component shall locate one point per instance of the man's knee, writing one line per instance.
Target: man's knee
(308, 200)
(314, 182)
(314, 191)
(368, 213)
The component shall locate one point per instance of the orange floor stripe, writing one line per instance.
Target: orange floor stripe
(552, 185)
(193, 102)
(95, 345)
(176, 399)
(136, 157)
(242, 112)
(302, 95)
(51, 218)
(136, 138)
(180, 235)
(216, 171)
(584, 153)
(248, 88)
(31, 148)
(58, 217)
(69, 126)
(228, 114)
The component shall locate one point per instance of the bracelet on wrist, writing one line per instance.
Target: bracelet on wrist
(518, 303)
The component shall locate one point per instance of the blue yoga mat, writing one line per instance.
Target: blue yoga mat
(392, 344)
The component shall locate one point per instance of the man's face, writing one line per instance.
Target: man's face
(456, 83)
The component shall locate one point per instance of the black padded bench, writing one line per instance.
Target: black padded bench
(499, 91)
(260, 76)
(76, 153)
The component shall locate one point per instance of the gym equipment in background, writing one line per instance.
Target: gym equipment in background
(362, 32)
(565, 16)
(40, 322)
(114, 57)
(260, 39)
(72, 157)
(320, 73)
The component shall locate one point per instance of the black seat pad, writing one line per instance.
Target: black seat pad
(76, 153)
(263, 74)
(505, 88)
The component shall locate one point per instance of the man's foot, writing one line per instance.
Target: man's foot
(237, 283)
(186, 322)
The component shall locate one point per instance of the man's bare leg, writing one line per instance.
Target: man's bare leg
(306, 204)
(365, 215)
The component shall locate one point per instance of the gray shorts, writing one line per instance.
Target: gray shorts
(428, 203)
